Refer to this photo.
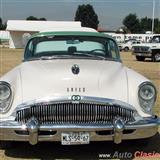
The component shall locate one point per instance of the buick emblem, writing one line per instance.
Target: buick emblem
(75, 69)
(75, 98)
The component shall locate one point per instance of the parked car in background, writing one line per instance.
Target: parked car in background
(148, 50)
(127, 46)
(120, 46)
(72, 87)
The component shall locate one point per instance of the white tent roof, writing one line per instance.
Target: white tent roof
(34, 26)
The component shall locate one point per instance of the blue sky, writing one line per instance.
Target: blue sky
(110, 12)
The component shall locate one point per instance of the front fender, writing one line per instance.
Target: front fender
(13, 77)
(134, 81)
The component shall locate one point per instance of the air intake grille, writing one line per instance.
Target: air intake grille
(141, 49)
(61, 113)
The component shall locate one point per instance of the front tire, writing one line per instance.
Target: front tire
(126, 49)
(140, 58)
(156, 57)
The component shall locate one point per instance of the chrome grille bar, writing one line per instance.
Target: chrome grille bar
(59, 113)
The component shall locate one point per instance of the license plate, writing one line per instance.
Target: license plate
(139, 54)
(73, 138)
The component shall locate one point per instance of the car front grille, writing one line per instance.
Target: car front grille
(74, 113)
(141, 49)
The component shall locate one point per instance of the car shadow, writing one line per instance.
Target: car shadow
(95, 150)
(146, 60)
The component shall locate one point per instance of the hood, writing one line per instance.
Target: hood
(49, 78)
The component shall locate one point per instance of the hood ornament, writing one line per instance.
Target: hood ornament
(75, 69)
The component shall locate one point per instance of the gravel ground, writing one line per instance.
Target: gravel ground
(98, 150)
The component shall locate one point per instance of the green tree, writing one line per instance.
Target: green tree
(132, 23)
(1, 23)
(2, 26)
(0, 20)
(146, 24)
(87, 16)
(135, 25)
(42, 19)
(157, 29)
(32, 18)
(156, 25)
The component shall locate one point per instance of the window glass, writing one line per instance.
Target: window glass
(47, 46)
(72, 46)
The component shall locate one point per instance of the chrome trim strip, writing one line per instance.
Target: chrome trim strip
(52, 100)
(144, 122)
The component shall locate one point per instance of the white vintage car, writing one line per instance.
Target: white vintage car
(72, 87)
(127, 46)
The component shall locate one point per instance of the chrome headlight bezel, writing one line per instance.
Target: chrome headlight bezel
(147, 104)
(5, 104)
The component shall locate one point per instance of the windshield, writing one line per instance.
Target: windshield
(71, 46)
(156, 39)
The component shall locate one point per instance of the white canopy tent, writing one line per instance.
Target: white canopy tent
(18, 28)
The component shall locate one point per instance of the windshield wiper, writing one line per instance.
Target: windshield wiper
(89, 55)
(54, 57)
(47, 57)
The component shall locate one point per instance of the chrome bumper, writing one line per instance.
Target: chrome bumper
(143, 54)
(118, 131)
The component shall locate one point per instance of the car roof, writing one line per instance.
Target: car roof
(71, 33)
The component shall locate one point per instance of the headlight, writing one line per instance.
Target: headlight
(5, 96)
(147, 96)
